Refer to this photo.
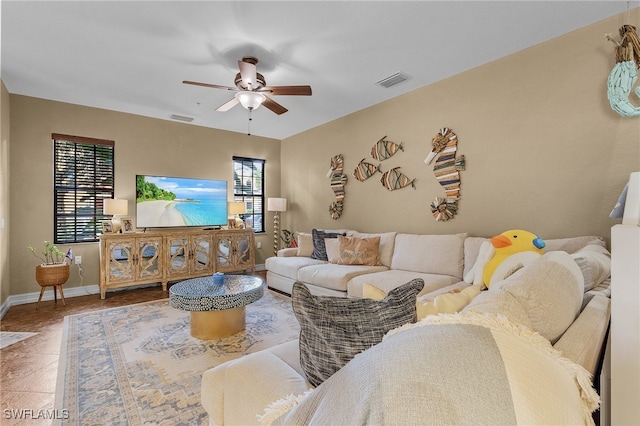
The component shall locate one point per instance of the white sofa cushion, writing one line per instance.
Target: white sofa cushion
(280, 374)
(430, 254)
(288, 252)
(333, 276)
(289, 266)
(388, 280)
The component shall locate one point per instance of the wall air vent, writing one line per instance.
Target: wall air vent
(181, 118)
(392, 80)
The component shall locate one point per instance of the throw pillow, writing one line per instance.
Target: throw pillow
(305, 244)
(446, 303)
(370, 291)
(548, 292)
(335, 329)
(387, 243)
(359, 251)
(319, 248)
(333, 249)
(450, 302)
(595, 264)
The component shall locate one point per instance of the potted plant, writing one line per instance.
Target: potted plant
(54, 269)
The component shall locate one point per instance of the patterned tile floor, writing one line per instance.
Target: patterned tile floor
(28, 369)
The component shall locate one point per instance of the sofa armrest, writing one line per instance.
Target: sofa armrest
(288, 252)
(583, 341)
(270, 374)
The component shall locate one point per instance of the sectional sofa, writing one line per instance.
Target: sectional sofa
(544, 325)
(442, 261)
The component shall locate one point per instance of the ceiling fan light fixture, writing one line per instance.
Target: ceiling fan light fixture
(250, 100)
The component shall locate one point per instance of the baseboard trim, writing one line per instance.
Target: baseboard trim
(21, 299)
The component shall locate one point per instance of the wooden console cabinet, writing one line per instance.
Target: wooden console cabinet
(188, 255)
(161, 256)
(235, 251)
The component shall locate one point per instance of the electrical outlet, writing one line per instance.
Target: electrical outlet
(259, 244)
(78, 260)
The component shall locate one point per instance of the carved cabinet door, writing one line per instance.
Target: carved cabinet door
(120, 261)
(148, 261)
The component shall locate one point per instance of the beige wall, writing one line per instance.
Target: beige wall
(544, 150)
(143, 146)
(4, 193)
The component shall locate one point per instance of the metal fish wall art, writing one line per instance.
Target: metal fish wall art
(394, 179)
(338, 181)
(364, 170)
(447, 170)
(384, 149)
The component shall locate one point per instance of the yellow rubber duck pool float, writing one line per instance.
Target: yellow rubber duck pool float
(508, 247)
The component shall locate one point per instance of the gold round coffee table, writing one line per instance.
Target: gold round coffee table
(217, 310)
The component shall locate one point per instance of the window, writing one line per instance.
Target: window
(83, 177)
(248, 187)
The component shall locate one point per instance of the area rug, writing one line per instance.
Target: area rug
(139, 365)
(8, 338)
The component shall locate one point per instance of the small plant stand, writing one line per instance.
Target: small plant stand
(52, 276)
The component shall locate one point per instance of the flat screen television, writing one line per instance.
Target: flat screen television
(163, 201)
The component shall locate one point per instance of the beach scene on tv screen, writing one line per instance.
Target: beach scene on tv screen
(171, 201)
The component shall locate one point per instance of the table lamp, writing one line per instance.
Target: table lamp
(276, 205)
(115, 207)
(237, 208)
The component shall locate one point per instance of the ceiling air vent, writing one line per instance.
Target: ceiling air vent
(392, 80)
(181, 118)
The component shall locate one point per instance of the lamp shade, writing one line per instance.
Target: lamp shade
(236, 207)
(115, 206)
(277, 204)
(250, 100)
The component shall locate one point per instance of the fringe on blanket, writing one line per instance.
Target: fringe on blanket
(495, 322)
(280, 407)
(499, 322)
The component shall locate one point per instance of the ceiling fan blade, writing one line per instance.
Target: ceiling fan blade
(215, 86)
(249, 74)
(274, 106)
(228, 105)
(287, 90)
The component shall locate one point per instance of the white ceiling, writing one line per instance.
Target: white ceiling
(133, 56)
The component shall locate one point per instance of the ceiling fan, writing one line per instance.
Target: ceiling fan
(252, 89)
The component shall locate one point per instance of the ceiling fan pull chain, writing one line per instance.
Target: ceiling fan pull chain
(249, 125)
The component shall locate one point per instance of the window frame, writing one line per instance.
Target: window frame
(253, 197)
(77, 204)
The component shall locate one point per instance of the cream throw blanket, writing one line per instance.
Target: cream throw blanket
(467, 368)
